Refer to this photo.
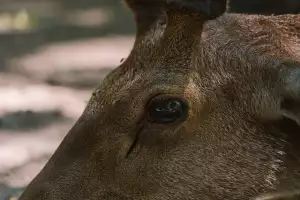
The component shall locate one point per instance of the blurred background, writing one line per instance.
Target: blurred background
(53, 53)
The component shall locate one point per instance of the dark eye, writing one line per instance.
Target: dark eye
(166, 110)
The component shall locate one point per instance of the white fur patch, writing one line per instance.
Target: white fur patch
(154, 35)
(271, 178)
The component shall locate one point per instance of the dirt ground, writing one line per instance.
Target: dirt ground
(47, 74)
(40, 104)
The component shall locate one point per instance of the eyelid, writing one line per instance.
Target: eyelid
(165, 96)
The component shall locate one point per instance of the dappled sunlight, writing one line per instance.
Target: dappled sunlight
(25, 152)
(43, 98)
(52, 55)
(91, 17)
(86, 54)
(79, 64)
(19, 21)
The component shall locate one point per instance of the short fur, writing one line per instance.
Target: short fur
(240, 76)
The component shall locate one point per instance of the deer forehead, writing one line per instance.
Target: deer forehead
(216, 61)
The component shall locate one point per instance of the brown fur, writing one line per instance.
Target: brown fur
(240, 77)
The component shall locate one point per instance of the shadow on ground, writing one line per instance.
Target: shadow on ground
(7, 193)
(68, 20)
(28, 120)
(47, 74)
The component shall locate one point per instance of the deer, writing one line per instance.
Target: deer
(206, 106)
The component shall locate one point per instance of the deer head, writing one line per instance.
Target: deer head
(204, 107)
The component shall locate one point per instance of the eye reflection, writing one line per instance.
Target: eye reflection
(163, 111)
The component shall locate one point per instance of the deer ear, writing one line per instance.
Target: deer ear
(209, 9)
(290, 103)
(185, 20)
(146, 13)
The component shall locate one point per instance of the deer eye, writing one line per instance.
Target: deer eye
(166, 110)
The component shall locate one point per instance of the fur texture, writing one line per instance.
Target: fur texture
(240, 77)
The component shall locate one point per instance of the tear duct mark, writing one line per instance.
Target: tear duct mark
(133, 146)
(133, 149)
